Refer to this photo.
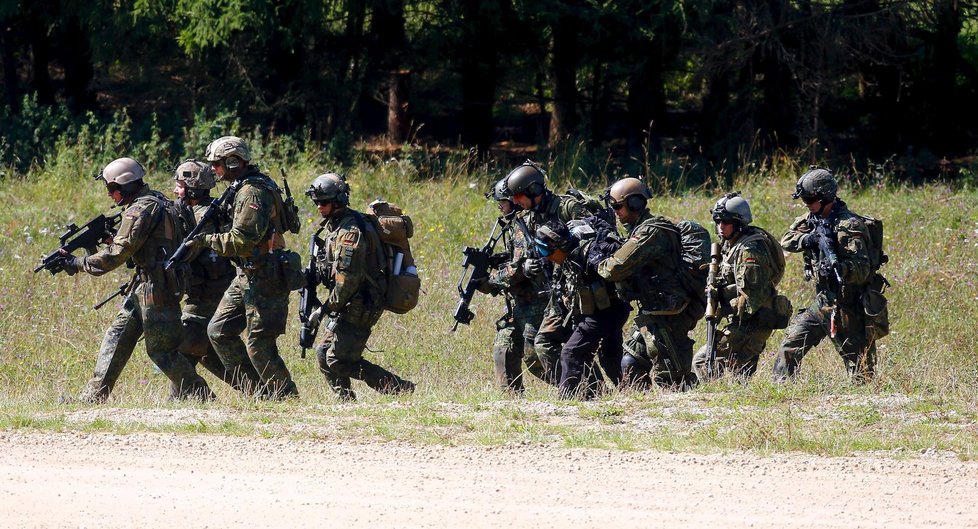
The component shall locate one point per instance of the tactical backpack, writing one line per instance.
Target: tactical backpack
(593, 206)
(877, 257)
(395, 231)
(874, 302)
(696, 244)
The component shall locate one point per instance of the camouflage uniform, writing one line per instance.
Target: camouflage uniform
(146, 236)
(747, 285)
(351, 260)
(257, 302)
(211, 275)
(517, 329)
(645, 269)
(811, 325)
(554, 330)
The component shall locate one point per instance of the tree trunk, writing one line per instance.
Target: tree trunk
(564, 63)
(398, 115)
(40, 57)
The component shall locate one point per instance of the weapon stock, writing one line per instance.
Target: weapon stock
(88, 237)
(712, 308)
(475, 268)
(124, 290)
(213, 210)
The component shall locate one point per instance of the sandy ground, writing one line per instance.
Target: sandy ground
(166, 480)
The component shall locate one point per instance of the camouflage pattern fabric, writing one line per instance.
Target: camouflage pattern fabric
(554, 330)
(350, 259)
(645, 270)
(211, 275)
(146, 234)
(257, 302)
(810, 326)
(747, 283)
(517, 330)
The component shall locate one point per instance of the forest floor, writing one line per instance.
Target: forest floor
(179, 480)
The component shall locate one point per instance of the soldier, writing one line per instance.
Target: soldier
(837, 312)
(647, 269)
(149, 232)
(517, 328)
(527, 185)
(257, 302)
(595, 312)
(351, 265)
(211, 274)
(752, 265)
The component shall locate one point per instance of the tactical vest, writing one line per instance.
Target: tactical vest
(207, 266)
(162, 241)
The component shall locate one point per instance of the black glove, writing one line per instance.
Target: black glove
(532, 267)
(71, 264)
(809, 241)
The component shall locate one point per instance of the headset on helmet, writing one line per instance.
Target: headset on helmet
(630, 192)
(527, 179)
(330, 187)
(732, 208)
(231, 150)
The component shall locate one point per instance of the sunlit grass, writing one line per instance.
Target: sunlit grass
(925, 396)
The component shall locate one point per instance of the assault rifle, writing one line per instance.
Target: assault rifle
(475, 269)
(712, 308)
(310, 307)
(828, 269)
(213, 210)
(88, 237)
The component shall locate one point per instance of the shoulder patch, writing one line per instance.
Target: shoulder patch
(253, 205)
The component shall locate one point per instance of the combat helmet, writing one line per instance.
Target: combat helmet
(499, 191)
(123, 174)
(629, 192)
(228, 146)
(197, 177)
(330, 187)
(732, 208)
(527, 179)
(816, 184)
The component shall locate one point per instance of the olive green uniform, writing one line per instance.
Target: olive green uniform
(555, 327)
(646, 269)
(352, 262)
(210, 276)
(526, 303)
(747, 285)
(257, 302)
(811, 325)
(147, 235)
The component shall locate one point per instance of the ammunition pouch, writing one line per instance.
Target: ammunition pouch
(593, 297)
(776, 317)
(290, 265)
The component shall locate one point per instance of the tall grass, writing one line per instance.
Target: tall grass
(49, 334)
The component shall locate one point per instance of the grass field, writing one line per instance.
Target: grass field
(925, 398)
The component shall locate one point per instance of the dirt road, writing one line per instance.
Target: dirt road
(165, 480)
